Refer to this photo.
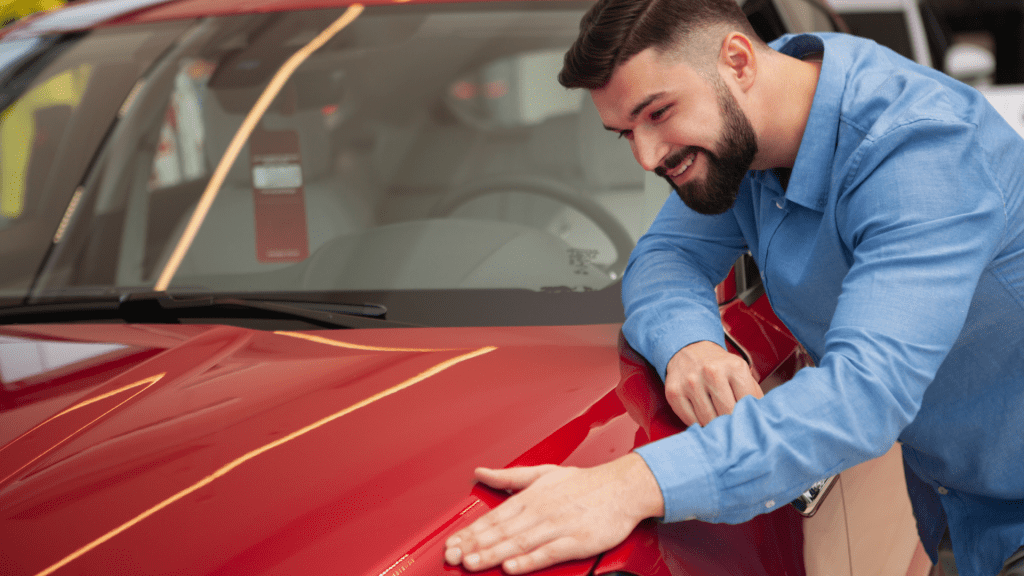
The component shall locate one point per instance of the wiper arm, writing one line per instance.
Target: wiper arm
(328, 315)
(160, 308)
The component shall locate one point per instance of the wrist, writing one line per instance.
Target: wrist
(643, 488)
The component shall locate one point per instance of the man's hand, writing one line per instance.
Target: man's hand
(558, 514)
(703, 381)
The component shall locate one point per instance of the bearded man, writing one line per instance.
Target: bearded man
(883, 203)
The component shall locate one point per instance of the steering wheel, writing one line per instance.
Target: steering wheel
(550, 188)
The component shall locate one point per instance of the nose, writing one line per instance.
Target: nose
(649, 153)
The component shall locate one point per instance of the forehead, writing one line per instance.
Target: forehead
(643, 80)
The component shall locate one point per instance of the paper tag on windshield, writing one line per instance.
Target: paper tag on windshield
(284, 175)
(278, 198)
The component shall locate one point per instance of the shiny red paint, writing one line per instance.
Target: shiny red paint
(219, 450)
(769, 544)
(764, 341)
(220, 466)
(342, 497)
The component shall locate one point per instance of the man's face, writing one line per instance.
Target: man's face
(683, 128)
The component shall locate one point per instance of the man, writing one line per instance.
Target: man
(884, 204)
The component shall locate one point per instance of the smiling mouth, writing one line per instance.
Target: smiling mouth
(682, 167)
(676, 164)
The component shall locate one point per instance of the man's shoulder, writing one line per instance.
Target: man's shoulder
(883, 91)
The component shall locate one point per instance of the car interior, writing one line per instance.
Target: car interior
(479, 172)
(423, 148)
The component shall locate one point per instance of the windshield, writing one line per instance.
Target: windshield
(423, 150)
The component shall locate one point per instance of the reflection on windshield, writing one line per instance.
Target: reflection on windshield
(18, 133)
(64, 107)
(15, 50)
(265, 177)
(422, 147)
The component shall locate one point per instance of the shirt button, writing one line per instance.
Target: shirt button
(769, 504)
(778, 205)
(942, 490)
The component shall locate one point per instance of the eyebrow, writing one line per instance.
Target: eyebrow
(638, 109)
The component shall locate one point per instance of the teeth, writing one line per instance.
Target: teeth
(684, 165)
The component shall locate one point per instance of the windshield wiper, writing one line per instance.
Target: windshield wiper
(160, 308)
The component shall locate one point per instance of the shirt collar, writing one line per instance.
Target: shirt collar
(811, 176)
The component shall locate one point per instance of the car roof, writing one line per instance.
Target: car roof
(75, 17)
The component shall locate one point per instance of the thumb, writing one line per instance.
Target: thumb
(512, 478)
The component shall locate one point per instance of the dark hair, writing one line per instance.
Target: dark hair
(613, 31)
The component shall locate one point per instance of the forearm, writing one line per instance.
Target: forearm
(668, 289)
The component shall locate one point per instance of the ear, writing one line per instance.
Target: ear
(737, 60)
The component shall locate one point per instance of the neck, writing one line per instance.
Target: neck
(782, 108)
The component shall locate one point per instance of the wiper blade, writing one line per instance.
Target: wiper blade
(160, 308)
(329, 315)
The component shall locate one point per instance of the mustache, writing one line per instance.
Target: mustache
(674, 160)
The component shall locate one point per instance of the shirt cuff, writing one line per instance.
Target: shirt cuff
(674, 334)
(684, 475)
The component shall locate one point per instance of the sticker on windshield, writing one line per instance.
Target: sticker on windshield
(279, 201)
(281, 176)
(581, 260)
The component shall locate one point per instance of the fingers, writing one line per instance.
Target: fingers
(550, 554)
(511, 478)
(518, 547)
(680, 404)
(563, 513)
(703, 407)
(702, 395)
(503, 533)
(744, 384)
(703, 381)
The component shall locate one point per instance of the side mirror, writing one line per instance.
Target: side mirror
(970, 63)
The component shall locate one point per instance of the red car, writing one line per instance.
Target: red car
(277, 275)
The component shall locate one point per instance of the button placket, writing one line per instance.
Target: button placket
(776, 218)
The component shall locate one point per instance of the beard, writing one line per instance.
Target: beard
(727, 165)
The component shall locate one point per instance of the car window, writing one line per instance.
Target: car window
(50, 132)
(429, 148)
(14, 50)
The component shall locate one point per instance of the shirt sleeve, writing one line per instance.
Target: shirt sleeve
(921, 218)
(668, 288)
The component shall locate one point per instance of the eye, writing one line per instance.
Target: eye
(659, 113)
(627, 134)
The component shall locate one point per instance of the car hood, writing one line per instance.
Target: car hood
(221, 450)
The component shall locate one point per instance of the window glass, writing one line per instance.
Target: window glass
(51, 132)
(424, 147)
(179, 154)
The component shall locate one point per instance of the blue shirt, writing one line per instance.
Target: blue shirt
(896, 257)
